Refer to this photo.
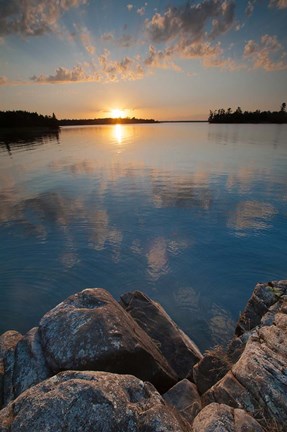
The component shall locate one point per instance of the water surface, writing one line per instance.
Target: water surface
(192, 214)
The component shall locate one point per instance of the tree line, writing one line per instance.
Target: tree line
(104, 121)
(14, 119)
(238, 116)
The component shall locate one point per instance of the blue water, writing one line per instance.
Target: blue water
(192, 214)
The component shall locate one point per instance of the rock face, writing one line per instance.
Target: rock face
(91, 331)
(222, 418)
(90, 401)
(181, 353)
(257, 382)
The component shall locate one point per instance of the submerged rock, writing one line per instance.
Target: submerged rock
(90, 401)
(91, 331)
(181, 353)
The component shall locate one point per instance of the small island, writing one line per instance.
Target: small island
(239, 116)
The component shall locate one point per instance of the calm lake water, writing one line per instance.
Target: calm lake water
(192, 214)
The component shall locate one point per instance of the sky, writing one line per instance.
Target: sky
(161, 59)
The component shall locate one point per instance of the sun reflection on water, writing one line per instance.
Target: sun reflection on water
(118, 133)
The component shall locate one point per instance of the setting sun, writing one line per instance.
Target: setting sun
(117, 113)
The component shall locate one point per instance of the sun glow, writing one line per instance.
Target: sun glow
(117, 113)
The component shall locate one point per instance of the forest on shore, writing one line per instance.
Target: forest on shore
(239, 116)
(20, 119)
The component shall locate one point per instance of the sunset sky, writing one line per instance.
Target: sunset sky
(162, 59)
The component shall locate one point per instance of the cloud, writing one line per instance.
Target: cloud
(130, 6)
(114, 70)
(33, 18)
(279, 4)
(62, 75)
(210, 54)
(85, 37)
(3, 80)
(141, 11)
(161, 59)
(250, 7)
(107, 37)
(192, 21)
(268, 54)
(104, 70)
(189, 32)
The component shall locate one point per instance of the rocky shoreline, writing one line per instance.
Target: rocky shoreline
(95, 364)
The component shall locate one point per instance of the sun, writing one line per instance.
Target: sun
(117, 113)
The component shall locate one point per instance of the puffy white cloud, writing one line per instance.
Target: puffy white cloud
(33, 17)
(269, 54)
(104, 70)
(280, 4)
(63, 74)
(130, 6)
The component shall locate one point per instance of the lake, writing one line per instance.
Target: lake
(192, 214)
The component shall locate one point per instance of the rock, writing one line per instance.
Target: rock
(28, 365)
(91, 331)
(185, 399)
(90, 401)
(222, 418)
(264, 296)
(181, 353)
(214, 365)
(258, 381)
(8, 341)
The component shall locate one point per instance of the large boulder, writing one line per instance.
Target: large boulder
(222, 418)
(181, 353)
(91, 331)
(184, 397)
(257, 382)
(90, 401)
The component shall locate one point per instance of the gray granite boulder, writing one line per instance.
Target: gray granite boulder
(222, 418)
(185, 398)
(258, 381)
(181, 353)
(90, 401)
(91, 331)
